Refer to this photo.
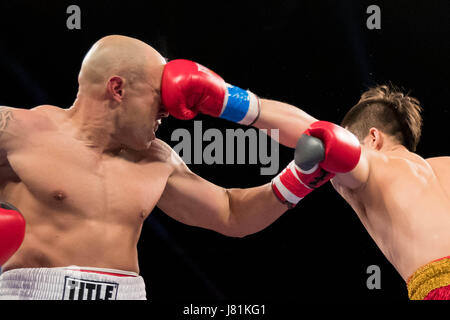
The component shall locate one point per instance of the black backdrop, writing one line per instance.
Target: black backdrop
(317, 55)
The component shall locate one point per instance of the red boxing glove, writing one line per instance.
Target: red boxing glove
(342, 148)
(188, 88)
(293, 183)
(12, 231)
(322, 151)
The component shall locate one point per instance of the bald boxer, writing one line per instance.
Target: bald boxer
(402, 200)
(85, 178)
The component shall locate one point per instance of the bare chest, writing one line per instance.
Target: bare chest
(67, 176)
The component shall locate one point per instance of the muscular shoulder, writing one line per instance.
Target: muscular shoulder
(376, 165)
(440, 167)
(439, 161)
(394, 168)
(15, 121)
(16, 124)
(413, 164)
(46, 115)
(23, 118)
(161, 151)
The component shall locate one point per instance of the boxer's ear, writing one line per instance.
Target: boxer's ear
(375, 139)
(115, 88)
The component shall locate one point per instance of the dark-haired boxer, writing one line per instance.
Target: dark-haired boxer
(85, 178)
(402, 199)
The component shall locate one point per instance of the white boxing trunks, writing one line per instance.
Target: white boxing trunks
(71, 283)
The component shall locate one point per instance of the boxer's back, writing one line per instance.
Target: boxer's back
(441, 167)
(405, 207)
(81, 207)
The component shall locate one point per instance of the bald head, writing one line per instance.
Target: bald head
(121, 56)
(119, 101)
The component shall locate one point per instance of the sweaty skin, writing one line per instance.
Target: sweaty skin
(404, 204)
(402, 200)
(79, 208)
(65, 169)
(85, 178)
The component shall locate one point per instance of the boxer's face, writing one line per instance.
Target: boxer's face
(144, 113)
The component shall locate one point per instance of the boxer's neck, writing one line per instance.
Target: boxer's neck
(95, 124)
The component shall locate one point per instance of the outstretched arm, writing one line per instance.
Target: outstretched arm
(192, 200)
(289, 120)
(195, 201)
(188, 88)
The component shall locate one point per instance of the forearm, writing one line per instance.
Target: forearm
(252, 210)
(190, 88)
(289, 120)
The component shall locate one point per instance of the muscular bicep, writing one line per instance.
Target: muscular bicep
(193, 200)
(356, 178)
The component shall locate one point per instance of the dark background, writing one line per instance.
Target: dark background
(317, 55)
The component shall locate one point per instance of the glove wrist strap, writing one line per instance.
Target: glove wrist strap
(240, 106)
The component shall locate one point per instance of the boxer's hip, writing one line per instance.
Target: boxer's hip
(431, 282)
(71, 283)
